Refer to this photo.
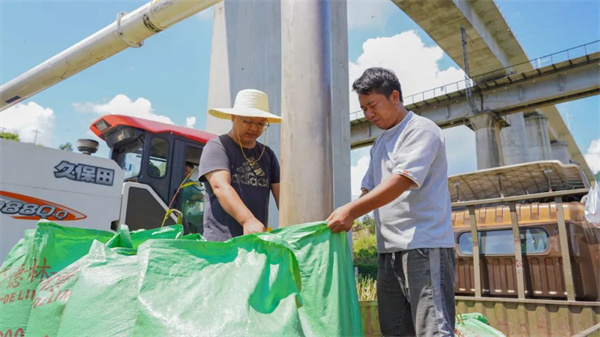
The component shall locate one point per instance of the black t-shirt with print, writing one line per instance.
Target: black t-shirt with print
(252, 182)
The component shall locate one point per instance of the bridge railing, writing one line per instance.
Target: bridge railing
(536, 63)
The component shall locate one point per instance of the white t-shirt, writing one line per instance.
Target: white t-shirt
(419, 217)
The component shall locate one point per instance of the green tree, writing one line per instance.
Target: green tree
(66, 147)
(9, 136)
(364, 246)
(369, 223)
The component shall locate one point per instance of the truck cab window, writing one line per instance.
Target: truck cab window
(131, 162)
(159, 151)
(193, 194)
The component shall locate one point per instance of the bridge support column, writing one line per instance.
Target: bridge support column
(560, 151)
(538, 138)
(239, 61)
(487, 140)
(315, 140)
(310, 92)
(315, 132)
(514, 140)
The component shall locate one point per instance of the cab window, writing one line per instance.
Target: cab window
(159, 152)
(130, 161)
(193, 193)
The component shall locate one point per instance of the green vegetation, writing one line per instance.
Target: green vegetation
(9, 136)
(366, 287)
(364, 246)
(66, 147)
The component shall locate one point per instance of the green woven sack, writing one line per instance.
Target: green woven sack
(103, 300)
(328, 286)
(43, 252)
(293, 281)
(127, 239)
(241, 287)
(474, 325)
(53, 294)
(289, 282)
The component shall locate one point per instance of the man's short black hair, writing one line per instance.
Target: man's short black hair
(379, 81)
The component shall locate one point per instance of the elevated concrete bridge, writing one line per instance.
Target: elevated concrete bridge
(556, 83)
(491, 46)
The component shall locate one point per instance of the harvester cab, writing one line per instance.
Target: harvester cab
(153, 157)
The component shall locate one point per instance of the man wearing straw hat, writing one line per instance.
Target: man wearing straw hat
(239, 172)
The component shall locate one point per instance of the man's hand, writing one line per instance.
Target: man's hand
(340, 220)
(253, 226)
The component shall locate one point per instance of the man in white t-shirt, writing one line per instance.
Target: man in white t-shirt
(406, 186)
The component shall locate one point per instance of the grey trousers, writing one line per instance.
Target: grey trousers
(415, 292)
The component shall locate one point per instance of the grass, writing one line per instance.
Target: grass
(366, 287)
(365, 252)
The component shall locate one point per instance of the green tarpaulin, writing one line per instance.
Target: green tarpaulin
(53, 294)
(294, 281)
(39, 255)
(475, 325)
(244, 287)
(103, 301)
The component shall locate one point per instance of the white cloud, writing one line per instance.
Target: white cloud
(190, 122)
(357, 172)
(415, 64)
(369, 13)
(460, 150)
(27, 119)
(123, 105)
(593, 155)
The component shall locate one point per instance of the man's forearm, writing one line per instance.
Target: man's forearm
(388, 190)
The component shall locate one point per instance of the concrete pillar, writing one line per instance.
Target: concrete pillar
(514, 140)
(560, 152)
(306, 142)
(340, 126)
(538, 138)
(247, 53)
(487, 140)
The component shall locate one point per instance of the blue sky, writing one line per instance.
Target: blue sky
(170, 70)
(167, 79)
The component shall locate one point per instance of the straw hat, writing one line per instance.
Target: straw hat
(248, 103)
